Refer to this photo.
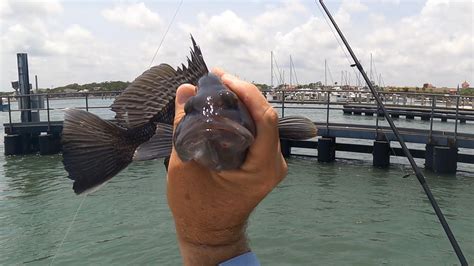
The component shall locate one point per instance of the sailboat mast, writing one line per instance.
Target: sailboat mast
(325, 73)
(271, 67)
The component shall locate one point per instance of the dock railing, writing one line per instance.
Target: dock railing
(330, 100)
(44, 135)
(48, 97)
(325, 99)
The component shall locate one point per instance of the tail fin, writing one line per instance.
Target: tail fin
(296, 127)
(94, 150)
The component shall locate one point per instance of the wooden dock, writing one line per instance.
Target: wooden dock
(441, 148)
(44, 138)
(410, 112)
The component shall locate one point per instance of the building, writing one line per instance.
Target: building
(428, 86)
(465, 85)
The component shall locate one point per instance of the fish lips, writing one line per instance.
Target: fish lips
(216, 142)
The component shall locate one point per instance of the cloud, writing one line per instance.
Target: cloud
(434, 44)
(280, 15)
(135, 16)
(59, 53)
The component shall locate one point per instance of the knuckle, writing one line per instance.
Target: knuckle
(271, 116)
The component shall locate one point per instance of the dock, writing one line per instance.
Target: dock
(44, 138)
(35, 134)
(410, 112)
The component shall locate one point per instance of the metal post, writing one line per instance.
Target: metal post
(283, 96)
(9, 114)
(24, 87)
(457, 114)
(377, 122)
(283, 101)
(47, 110)
(327, 112)
(433, 103)
(87, 102)
(36, 83)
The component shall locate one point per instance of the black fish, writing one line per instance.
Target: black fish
(95, 150)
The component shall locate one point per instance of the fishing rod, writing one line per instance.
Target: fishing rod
(416, 169)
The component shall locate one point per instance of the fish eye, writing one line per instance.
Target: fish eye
(229, 99)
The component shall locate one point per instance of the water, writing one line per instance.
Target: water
(345, 212)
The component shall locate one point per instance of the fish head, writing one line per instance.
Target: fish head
(217, 128)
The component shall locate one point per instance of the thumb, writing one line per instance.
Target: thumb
(183, 94)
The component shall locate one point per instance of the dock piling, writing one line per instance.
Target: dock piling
(381, 154)
(285, 148)
(49, 144)
(326, 149)
(12, 144)
(445, 159)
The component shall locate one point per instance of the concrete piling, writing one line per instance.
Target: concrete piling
(445, 159)
(285, 148)
(326, 149)
(381, 154)
(49, 144)
(441, 159)
(425, 118)
(429, 156)
(12, 144)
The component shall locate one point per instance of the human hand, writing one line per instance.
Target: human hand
(211, 208)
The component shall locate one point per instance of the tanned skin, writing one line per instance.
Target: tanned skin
(211, 209)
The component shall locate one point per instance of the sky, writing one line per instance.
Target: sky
(411, 42)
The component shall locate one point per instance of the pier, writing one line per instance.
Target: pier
(36, 132)
(440, 152)
(410, 112)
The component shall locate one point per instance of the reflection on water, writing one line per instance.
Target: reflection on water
(30, 175)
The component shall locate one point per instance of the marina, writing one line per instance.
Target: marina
(43, 137)
(391, 166)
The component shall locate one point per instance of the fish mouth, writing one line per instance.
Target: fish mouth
(213, 141)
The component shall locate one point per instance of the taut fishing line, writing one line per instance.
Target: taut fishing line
(419, 175)
(166, 32)
(67, 231)
(358, 80)
(84, 197)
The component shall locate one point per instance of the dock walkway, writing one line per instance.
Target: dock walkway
(410, 112)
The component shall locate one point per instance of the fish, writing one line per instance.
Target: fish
(216, 131)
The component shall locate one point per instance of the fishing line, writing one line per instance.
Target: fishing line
(84, 197)
(335, 37)
(419, 175)
(68, 229)
(166, 32)
(355, 73)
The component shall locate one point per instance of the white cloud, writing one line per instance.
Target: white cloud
(277, 16)
(432, 45)
(30, 8)
(435, 46)
(135, 16)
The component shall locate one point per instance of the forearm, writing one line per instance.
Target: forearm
(204, 254)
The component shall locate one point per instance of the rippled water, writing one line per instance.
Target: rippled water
(345, 212)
